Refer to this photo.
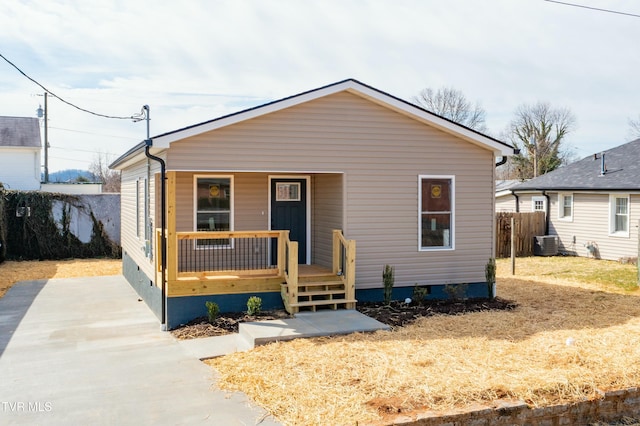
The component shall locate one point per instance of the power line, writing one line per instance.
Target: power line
(593, 8)
(91, 133)
(62, 100)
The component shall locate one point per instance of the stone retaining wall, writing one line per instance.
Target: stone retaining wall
(611, 406)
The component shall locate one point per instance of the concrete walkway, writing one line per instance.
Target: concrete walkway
(304, 324)
(86, 351)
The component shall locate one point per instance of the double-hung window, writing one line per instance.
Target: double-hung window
(619, 222)
(213, 207)
(436, 212)
(565, 206)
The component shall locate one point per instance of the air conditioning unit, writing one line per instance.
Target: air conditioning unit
(545, 245)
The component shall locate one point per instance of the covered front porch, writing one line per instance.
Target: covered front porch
(212, 262)
(242, 266)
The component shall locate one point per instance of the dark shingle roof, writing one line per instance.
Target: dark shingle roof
(622, 172)
(20, 131)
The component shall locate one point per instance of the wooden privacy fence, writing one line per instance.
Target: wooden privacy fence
(527, 226)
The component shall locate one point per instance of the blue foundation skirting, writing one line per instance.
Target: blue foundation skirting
(181, 310)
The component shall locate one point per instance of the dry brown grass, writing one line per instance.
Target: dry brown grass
(567, 339)
(12, 271)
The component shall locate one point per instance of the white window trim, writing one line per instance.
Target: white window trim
(452, 236)
(612, 215)
(539, 198)
(231, 207)
(561, 197)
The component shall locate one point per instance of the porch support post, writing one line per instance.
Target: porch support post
(172, 249)
(350, 278)
(336, 251)
(282, 252)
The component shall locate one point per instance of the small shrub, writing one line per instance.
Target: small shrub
(456, 291)
(490, 275)
(387, 281)
(420, 293)
(254, 305)
(213, 310)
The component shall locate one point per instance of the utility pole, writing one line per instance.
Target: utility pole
(43, 114)
(535, 156)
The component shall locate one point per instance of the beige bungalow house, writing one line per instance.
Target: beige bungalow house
(303, 201)
(592, 205)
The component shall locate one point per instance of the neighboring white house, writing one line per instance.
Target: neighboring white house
(592, 205)
(20, 148)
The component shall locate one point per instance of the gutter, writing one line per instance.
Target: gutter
(148, 143)
(548, 208)
(517, 197)
(163, 225)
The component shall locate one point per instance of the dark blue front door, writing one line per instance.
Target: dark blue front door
(289, 212)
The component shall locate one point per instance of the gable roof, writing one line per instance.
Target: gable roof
(622, 173)
(20, 132)
(352, 86)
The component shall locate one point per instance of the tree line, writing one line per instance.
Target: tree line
(538, 130)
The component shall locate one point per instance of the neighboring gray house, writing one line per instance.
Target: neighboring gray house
(20, 148)
(303, 201)
(592, 205)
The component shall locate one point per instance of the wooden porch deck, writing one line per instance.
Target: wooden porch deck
(235, 267)
(243, 282)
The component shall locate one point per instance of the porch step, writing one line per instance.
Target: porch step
(325, 302)
(320, 293)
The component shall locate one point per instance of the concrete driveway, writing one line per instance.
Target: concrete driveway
(86, 351)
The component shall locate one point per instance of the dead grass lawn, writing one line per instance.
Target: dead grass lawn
(572, 334)
(13, 271)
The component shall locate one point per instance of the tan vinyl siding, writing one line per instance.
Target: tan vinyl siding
(381, 154)
(132, 243)
(591, 223)
(326, 216)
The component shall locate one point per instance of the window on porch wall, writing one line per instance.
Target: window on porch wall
(214, 208)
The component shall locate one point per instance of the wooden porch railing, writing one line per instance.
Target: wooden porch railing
(200, 253)
(344, 264)
(255, 258)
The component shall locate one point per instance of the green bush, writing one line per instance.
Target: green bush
(213, 310)
(456, 291)
(254, 305)
(490, 275)
(387, 281)
(419, 293)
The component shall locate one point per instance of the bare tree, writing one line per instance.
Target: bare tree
(452, 104)
(539, 130)
(634, 127)
(100, 168)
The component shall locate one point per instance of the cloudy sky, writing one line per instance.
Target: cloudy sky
(195, 60)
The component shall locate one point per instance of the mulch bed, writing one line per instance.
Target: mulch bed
(399, 314)
(395, 314)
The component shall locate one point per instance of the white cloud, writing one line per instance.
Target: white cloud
(195, 60)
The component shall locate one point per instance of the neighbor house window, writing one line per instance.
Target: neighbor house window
(436, 215)
(214, 207)
(539, 204)
(619, 215)
(565, 206)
